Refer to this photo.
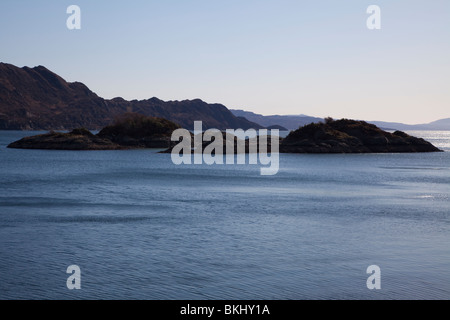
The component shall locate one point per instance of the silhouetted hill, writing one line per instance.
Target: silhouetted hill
(351, 136)
(77, 139)
(38, 99)
(138, 131)
(130, 131)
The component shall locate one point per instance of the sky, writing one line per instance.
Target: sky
(266, 56)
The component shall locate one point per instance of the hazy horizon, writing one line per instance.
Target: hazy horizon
(267, 57)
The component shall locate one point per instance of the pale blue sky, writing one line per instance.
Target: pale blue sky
(270, 57)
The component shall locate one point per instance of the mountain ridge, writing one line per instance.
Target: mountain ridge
(293, 122)
(290, 122)
(39, 99)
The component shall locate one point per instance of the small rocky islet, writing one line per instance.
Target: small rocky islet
(135, 131)
(351, 136)
(131, 131)
(78, 139)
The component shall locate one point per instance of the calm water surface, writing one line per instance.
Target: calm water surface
(140, 227)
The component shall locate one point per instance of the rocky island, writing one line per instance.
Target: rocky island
(135, 131)
(78, 139)
(351, 136)
(131, 131)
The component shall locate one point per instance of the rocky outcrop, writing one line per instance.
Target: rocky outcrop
(351, 136)
(131, 131)
(137, 131)
(78, 139)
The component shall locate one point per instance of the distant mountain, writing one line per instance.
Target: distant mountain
(277, 127)
(290, 122)
(443, 124)
(38, 99)
(293, 122)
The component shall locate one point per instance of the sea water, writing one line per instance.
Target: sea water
(140, 227)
